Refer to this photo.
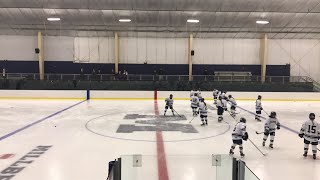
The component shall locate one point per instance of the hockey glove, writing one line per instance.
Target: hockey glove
(266, 132)
(278, 127)
(261, 108)
(245, 136)
(301, 135)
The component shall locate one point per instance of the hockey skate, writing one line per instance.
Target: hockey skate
(242, 155)
(207, 123)
(271, 146)
(305, 154)
(263, 143)
(314, 156)
(203, 124)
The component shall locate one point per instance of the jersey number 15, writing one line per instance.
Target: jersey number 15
(312, 129)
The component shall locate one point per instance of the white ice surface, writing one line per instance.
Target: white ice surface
(78, 154)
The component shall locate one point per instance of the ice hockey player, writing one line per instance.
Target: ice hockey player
(215, 96)
(258, 108)
(220, 108)
(199, 93)
(203, 112)
(270, 129)
(310, 131)
(238, 134)
(169, 104)
(195, 104)
(191, 93)
(233, 104)
(223, 94)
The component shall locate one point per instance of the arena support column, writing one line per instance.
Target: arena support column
(264, 56)
(41, 55)
(190, 48)
(116, 53)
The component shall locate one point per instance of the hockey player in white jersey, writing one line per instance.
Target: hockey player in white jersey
(233, 104)
(194, 104)
(223, 94)
(199, 93)
(203, 112)
(220, 109)
(310, 131)
(215, 96)
(239, 133)
(191, 93)
(169, 104)
(258, 108)
(270, 129)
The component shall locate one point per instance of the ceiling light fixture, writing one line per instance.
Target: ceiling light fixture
(53, 19)
(124, 20)
(192, 20)
(262, 22)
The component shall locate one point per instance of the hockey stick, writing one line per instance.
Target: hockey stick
(176, 112)
(259, 132)
(266, 112)
(192, 119)
(231, 115)
(257, 148)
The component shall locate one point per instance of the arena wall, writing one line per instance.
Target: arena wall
(150, 95)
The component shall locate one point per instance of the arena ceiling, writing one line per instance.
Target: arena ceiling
(218, 18)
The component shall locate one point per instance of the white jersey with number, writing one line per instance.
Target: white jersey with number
(311, 130)
(271, 124)
(239, 131)
(169, 102)
(258, 105)
(194, 102)
(203, 109)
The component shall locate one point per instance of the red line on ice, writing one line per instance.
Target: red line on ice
(161, 155)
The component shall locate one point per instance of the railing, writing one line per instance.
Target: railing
(141, 77)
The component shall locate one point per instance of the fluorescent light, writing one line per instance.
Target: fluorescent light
(192, 20)
(124, 20)
(53, 19)
(262, 22)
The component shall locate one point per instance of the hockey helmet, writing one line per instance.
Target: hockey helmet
(312, 116)
(259, 97)
(171, 95)
(242, 119)
(273, 114)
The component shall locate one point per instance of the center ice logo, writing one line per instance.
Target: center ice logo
(156, 123)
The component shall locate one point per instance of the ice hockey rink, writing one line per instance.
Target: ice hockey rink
(77, 138)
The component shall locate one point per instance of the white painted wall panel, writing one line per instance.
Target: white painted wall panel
(181, 51)
(18, 48)
(106, 50)
(226, 51)
(142, 50)
(302, 55)
(94, 50)
(58, 48)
